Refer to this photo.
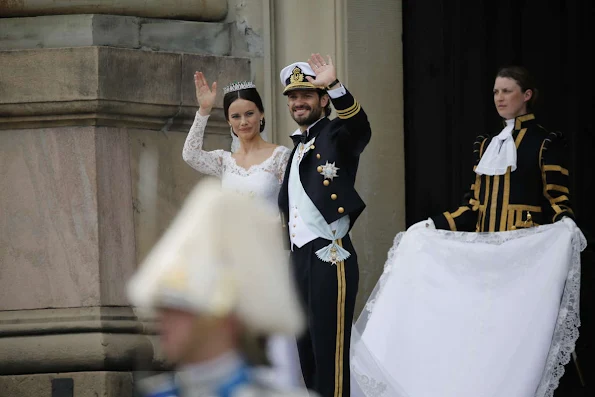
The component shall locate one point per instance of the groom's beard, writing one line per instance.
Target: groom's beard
(310, 117)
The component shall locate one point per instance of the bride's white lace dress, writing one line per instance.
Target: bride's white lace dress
(263, 181)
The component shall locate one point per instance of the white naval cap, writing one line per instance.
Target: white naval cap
(222, 254)
(293, 77)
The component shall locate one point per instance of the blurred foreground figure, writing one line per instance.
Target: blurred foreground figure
(217, 281)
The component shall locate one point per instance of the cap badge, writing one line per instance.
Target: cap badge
(296, 75)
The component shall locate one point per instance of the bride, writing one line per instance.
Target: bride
(255, 168)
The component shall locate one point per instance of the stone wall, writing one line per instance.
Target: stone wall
(94, 111)
(204, 10)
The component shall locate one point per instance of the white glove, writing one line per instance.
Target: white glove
(429, 223)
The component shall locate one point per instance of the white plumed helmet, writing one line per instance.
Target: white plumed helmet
(222, 254)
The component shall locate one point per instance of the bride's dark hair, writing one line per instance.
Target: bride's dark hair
(249, 94)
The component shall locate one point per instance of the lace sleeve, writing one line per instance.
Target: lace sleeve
(281, 161)
(210, 163)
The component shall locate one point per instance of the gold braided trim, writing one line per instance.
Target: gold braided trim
(299, 85)
(519, 120)
(562, 208)
(520, 137)
(557, 188)
(451, 221)
(347, 110)
(458, 212)
(505, 200)
(560, 199)
(523, 207)
(494, 206)
(341, 292)
(474, 203)
(558, 168)
(484, 207)
(481, 147)
(476, 189)
(557, 208)
(511, 219)
(349, 113)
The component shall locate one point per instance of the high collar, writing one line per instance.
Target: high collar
(523, 121)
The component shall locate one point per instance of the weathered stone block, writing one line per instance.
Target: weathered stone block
(106, 86)
(59, 31)
(204, 10)
(67, 236)
(85, 384)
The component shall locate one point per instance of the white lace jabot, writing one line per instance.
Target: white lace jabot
(500, 154)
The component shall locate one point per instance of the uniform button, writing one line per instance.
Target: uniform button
(326, 182)
(333, 196)
(293, 235)
(341, 210)
(319, 169)
(312, 147)
(318, 156)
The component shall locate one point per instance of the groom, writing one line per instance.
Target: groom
(320, 206)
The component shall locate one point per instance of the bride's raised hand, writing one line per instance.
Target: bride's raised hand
(205, 96)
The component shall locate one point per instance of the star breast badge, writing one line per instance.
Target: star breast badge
(329, 171)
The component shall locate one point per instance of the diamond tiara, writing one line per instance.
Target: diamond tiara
(239, 85)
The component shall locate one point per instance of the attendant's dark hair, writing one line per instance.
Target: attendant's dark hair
(524, 79)
(249, 94)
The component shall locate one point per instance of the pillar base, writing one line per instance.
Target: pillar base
(75, 384)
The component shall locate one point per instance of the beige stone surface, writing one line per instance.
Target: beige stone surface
(66, 232)
(116, 242)
(53, 31)
(69, 239)
(92, 351)
(48, 228)
(106, 86)
(379, 88)
(109, 319)
(204, 10)
(86, 384)
(161, 180)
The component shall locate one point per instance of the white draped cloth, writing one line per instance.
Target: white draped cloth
(471, 314)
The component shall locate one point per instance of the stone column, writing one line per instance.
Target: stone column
(365, 40)
(94, 110)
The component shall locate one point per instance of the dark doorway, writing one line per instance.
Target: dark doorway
(452, 52)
